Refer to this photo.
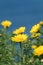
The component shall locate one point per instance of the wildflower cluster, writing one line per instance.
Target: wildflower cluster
(30, 50)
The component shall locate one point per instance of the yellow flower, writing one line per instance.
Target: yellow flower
(19, 38)
(19, 30)
(35, 28)
(41, 22)
(38, 51)
(6, 23)
(35, 35)
(34, 46)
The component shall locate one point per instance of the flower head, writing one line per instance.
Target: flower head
(38, 51)
(41, 22)
(34, 46)
(19, 38)
(19, 30)
(35, 35)
(6, 23)
(35, 28)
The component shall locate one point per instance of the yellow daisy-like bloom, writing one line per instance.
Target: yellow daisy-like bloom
(19, 30)
(35, 28)
(19, 38)
(34, 46)
(41, 22)
(6, 23)
(38, 51)
(35, 35)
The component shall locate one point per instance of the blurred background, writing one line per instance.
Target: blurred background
(21, 12)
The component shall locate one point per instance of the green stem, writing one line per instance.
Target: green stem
(21, 56)
(26, 60)
(12, 62)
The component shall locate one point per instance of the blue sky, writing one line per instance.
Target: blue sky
(21, 12)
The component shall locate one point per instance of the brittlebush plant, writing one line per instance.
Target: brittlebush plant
(18, 48)
(7, 50)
